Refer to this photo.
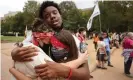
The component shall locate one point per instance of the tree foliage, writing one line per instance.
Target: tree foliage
(18, 22)
(73, 18)
(115, 16)
(30, 12)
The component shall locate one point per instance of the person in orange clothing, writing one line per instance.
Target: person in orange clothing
(96, 39)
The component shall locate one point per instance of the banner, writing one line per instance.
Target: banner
(95, 13)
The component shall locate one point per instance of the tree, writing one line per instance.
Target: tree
(84, 16)
(7, 24)
(4, 27)
(18, 25)
(115, 16)
(71, 15)
(18, 22)
(30, 11)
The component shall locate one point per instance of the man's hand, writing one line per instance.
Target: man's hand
(23, 53)
(52, 70)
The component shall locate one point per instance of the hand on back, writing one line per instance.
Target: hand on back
(24, 53)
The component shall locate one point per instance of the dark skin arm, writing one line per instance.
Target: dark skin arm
(81, 73)
(53, 70)
(23, 53)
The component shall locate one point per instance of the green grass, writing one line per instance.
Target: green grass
(12, 38)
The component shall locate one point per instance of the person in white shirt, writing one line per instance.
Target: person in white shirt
(101, 53)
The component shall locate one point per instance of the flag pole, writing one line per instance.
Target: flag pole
(99, 20)
(100, 23)
(25, 31)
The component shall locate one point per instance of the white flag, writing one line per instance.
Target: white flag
(94, 14)
(89, 23)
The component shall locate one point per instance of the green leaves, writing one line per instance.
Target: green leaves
(115, 16)
(73, 18)
(18, 22)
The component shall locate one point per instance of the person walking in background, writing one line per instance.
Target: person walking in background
(96, 39)
(81, 37)
(117, 40)
(107, 43)
(113, 38)
(128, 53)
(101, 53)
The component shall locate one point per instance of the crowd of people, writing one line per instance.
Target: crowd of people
(103, 44)
(66, 51)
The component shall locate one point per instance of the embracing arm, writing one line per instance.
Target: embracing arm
(73, 64)
(77, 62)
(23, 53)
(53, 69)
(81, 73)
(18, 75)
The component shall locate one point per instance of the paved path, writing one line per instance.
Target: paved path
(6, 61)
(92, 55)
(113, 73)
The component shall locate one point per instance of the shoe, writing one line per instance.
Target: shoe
(103, 68)
(110, 65)
(129, 75)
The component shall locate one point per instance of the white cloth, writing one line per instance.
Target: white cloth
(114, 36)
(101, 45)
(117, 37)
(28, 38)
(126, 53)
(77, 44)
(77, 41)
(27, 68)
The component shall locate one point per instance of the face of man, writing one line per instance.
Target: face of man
(104, 35)
(52, 17)
(84, 32)
(131, 36)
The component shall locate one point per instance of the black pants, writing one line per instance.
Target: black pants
(127, 65)
(95, 44)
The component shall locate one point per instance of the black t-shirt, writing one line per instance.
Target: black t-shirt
(47, 49)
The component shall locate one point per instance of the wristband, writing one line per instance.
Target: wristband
(70, 74)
